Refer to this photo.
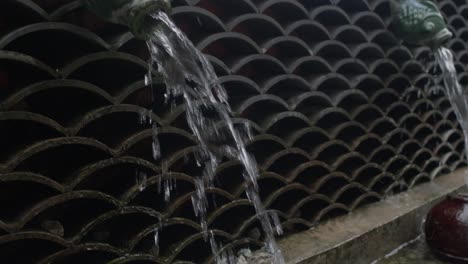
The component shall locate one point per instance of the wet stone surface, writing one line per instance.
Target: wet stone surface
(415, 253)
(258, 257)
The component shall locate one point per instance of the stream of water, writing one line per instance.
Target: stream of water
(189, 75)
(454, 91)
(417, 251)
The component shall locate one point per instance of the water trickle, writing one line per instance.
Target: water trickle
(155, 145)
(156, 242)
(419, 94)
(453, 89)
(145, 117)
(141, 180)
(190, 76)
(169, 185)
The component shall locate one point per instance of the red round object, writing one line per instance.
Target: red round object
(447, 228)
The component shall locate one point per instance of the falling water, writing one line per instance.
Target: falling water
(454, 91)
(188, 74)
(141, 180)
(416, 251)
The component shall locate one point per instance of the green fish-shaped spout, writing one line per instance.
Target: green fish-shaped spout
(131, 13)
(419, 22)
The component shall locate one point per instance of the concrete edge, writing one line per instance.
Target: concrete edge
(372, 231)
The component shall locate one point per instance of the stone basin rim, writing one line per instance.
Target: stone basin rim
(373, 231)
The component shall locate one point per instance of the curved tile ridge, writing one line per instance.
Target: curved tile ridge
(8, 39)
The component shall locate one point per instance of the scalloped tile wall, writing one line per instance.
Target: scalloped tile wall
(333, 98)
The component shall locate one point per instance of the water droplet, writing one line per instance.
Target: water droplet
(141, 180)
(155, 146)
(147, 80)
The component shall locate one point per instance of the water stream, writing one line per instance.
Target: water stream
(417, 251)
(190, 76)
(453, 89)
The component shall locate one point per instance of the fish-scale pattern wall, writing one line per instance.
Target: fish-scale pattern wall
(337, 105)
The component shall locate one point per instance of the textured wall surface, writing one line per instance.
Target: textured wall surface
(337, 105)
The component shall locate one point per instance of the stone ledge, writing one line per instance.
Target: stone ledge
(372, 231)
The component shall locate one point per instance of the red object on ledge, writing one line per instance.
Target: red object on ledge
(447, 228)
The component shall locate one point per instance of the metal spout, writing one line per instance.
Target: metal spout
(135, 14)
(419, 22)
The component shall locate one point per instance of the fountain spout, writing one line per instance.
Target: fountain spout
(135, 14)
(419, 22)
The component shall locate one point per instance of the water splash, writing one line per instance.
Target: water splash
(190, 76)
(145, 117)
(221, 256)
